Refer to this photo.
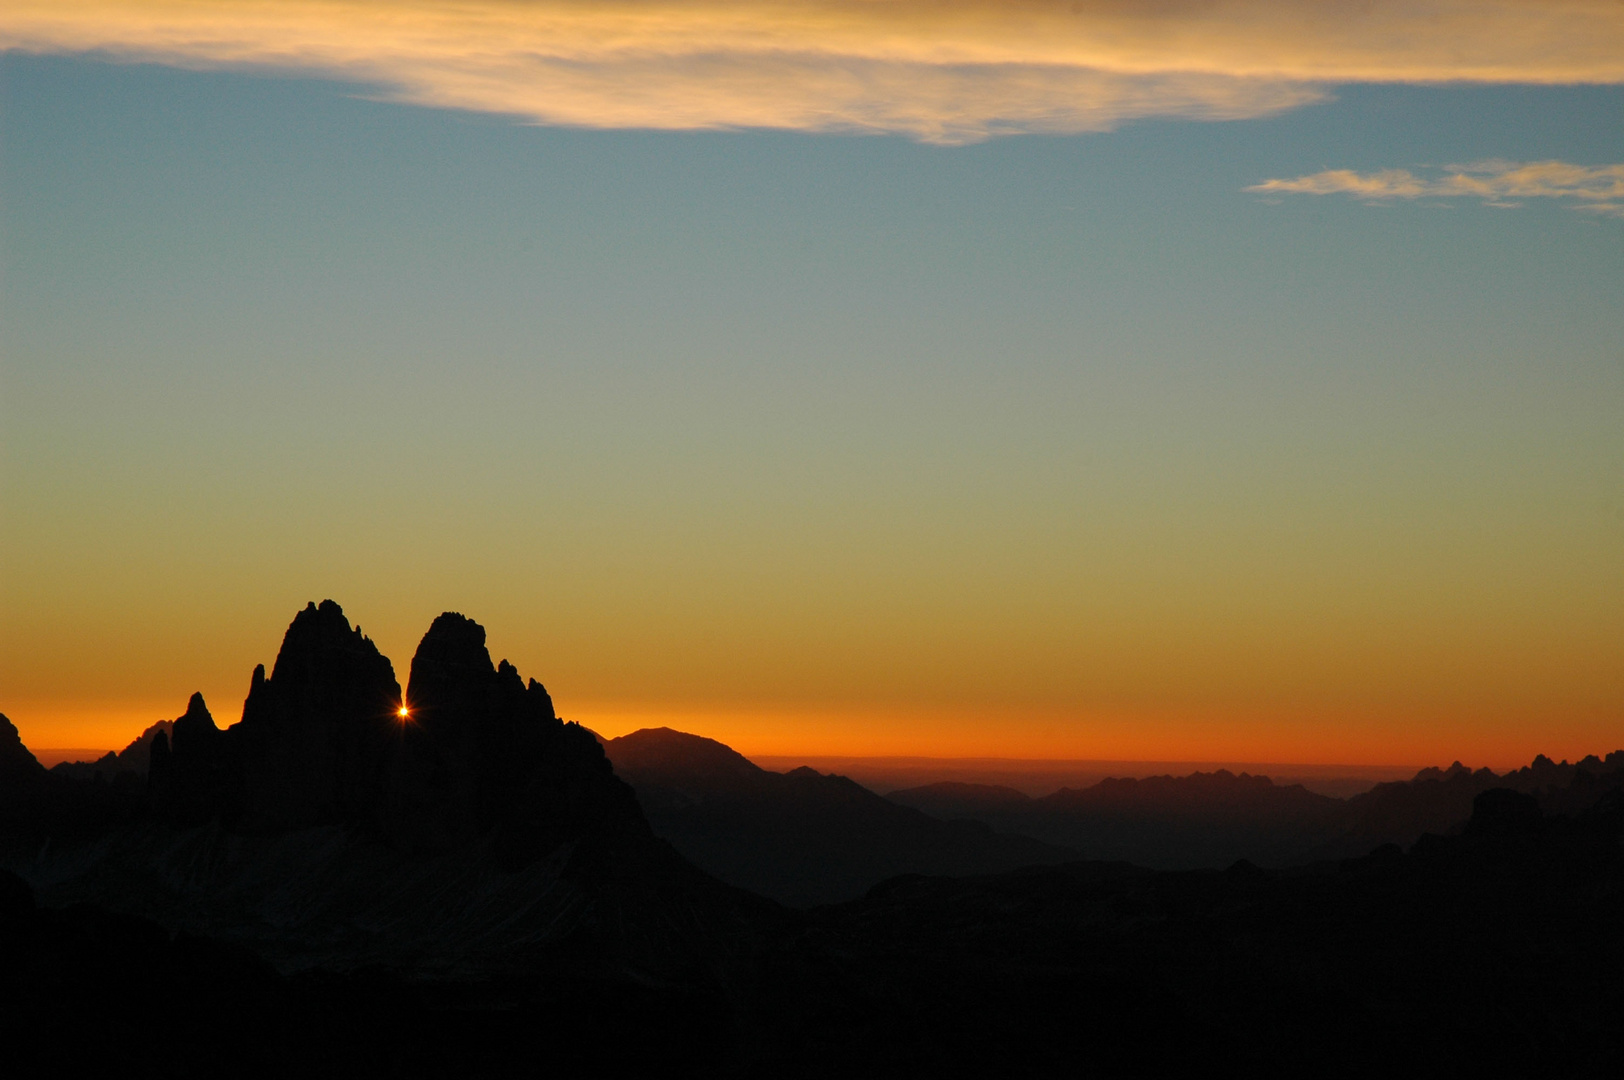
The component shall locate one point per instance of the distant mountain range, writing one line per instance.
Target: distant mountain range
(134, 759)
(803, 838)
(1165, 822)
(470, 888)
(800, 837)
(1212, 819)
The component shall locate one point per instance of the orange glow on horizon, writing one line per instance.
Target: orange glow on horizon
(1032, 734)
(1197, 736)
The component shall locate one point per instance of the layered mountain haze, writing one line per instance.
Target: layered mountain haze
(454, 879)
(800, 837)
(1213, 819)
(1166, 822)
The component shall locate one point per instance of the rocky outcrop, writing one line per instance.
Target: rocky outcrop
(311, 746)
(190, 773)
(482, 752)
(479, 752)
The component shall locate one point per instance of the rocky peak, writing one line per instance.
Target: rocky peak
(325, 664)
(195, 726)
(483, 750)
(481, 753)
(313, 736)
(451, 663)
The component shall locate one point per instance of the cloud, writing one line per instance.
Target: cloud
(1594, 189)
(937, 70)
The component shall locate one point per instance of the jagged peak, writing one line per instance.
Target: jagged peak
(318, 631)
(451, 655)
(197, 722)
(454, 638)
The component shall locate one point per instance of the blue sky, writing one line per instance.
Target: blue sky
(1073, 431)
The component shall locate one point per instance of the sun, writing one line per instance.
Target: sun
(403, 712)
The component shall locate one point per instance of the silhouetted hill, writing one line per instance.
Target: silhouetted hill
(1165, 822)
(477, 834)
(799, 837)
(19, 772)
(134, 758)
(685, 767)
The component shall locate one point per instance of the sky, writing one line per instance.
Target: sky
(1189, 381)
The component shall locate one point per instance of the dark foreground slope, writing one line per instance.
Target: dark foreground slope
(1493, 953)
(800, 837)
(88, 991)
(479, 837)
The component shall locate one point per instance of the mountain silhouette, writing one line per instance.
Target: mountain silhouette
(327, 885)
(800, 837)
(1396, 963)
(472, 889)
(1214, 819)
(1441, 800)
(134, 758)
(479, 753)
(326, 828)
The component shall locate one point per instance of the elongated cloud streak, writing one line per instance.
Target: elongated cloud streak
(1597, 189)
(939, 70)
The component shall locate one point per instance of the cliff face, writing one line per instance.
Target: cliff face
(479, 753)
(482, 753)
(314, 736)
(18, 767)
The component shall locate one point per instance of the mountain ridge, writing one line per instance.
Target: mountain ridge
(800, 837)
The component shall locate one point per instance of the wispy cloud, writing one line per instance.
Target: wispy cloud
(1593, 189)
(938, 70)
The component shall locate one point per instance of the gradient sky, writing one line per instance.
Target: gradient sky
(1239, 381)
